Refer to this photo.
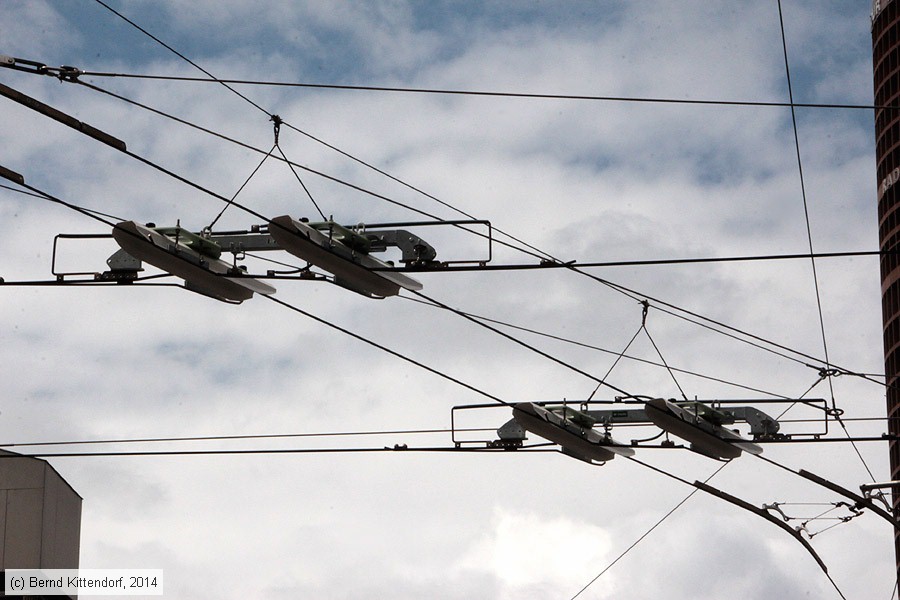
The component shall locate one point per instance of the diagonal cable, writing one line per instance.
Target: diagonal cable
(648, 532)
(787, 71)
(240, 189)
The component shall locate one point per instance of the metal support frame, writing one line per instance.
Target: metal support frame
(699, 423)
(342, 251)
(762, 426)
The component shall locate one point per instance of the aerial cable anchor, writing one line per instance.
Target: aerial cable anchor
(63, 73)
(21, 64)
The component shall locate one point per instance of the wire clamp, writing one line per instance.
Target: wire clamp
(68, 73)
(827, 372)
(834, 412)
(277, 126)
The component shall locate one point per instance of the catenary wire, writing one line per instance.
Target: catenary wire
(726, 330)
(258, 215)
(607, 351)
(89, 213)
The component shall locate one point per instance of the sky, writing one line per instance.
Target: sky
(584, 180)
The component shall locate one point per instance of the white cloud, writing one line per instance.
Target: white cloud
(533, 555)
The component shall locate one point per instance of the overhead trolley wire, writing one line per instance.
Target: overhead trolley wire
(249, 451)
(276, 436)
(475, 389)
(259, 436)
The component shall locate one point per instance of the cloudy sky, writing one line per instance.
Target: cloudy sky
(584, 180)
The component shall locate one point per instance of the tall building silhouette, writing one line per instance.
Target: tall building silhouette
(886, 75)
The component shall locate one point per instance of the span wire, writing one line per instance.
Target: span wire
(488, 93)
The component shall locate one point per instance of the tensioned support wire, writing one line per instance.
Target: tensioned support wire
(277, 125)
(828, 368)
(240, 189)
(645, 309)
(276, 120)
(524, 344)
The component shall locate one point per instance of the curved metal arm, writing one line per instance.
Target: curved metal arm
(762, 513)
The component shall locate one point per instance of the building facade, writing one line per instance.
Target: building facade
(886, 76)
(40, 516)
